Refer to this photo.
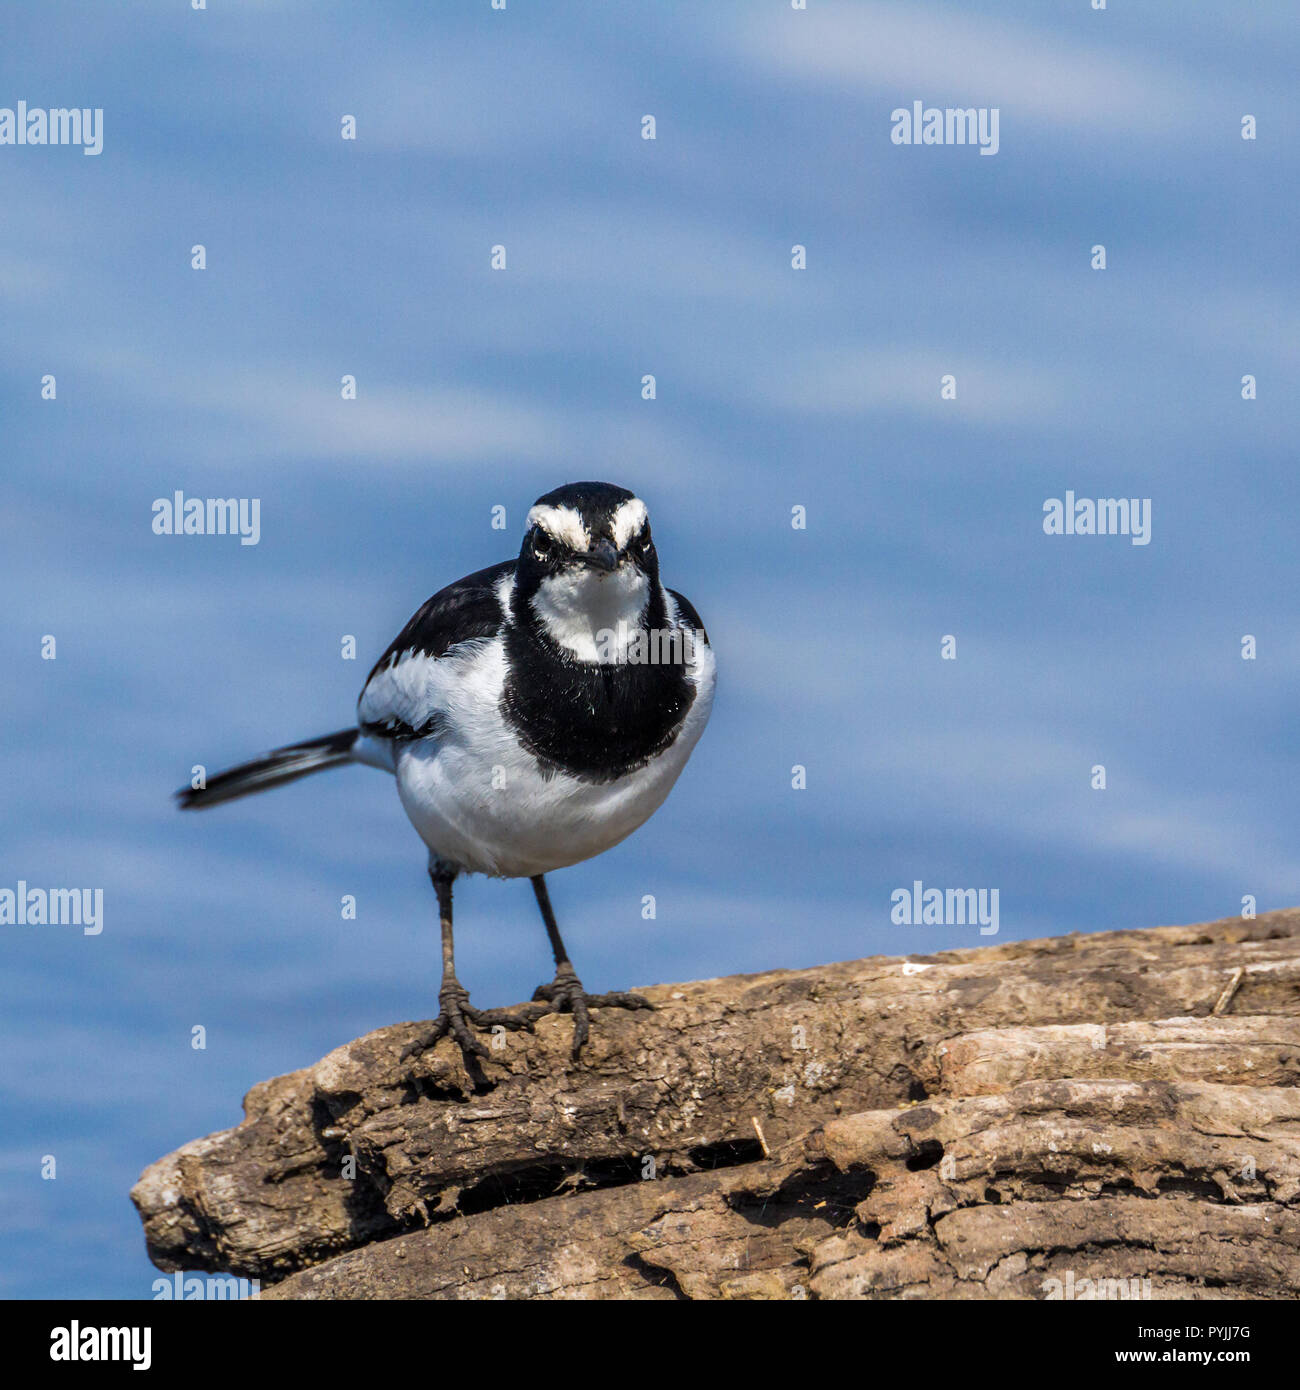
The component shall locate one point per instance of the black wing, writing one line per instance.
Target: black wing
(687, 610)
(393, 701)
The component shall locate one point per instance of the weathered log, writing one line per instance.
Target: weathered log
(1053, 1189)
(725, 1068)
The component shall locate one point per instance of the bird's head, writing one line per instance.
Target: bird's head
(587, 563)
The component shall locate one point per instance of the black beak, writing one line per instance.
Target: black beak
(602, 556)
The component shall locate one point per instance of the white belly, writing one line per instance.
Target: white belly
(479, 801)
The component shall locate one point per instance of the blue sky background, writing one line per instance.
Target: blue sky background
(477, 388)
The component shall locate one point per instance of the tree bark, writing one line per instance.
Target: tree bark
(1035, 1119)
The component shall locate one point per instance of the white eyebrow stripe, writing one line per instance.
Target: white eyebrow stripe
(562, 524)
(630, 517)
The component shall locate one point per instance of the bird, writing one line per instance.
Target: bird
(533, 715)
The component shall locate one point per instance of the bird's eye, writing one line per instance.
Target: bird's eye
(542, 548)
(643, 541)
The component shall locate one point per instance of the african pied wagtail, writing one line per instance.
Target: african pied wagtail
(534, 714)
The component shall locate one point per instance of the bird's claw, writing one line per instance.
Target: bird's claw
(565, 995)
(456, 1018)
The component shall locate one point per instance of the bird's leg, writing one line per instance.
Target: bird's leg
(565, 993)
(455, 1014)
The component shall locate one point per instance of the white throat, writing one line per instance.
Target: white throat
(593, 615)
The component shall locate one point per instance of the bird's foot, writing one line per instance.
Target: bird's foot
(456, 1019)
(565, 995)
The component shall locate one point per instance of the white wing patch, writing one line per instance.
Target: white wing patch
(413, 689)
(563, 524)
(416, 688)
(701, 667)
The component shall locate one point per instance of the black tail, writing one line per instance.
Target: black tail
(283, 765)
